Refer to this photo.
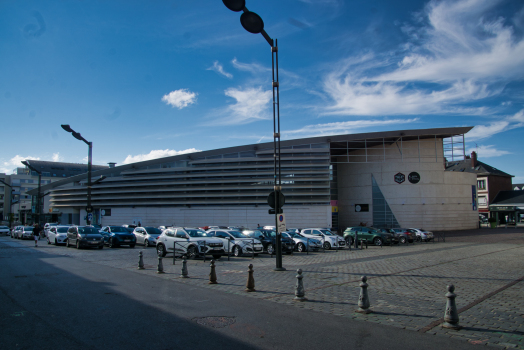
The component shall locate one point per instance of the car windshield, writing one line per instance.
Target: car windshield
(326, 232)
(270, 233)
(4, 227)
(236, 234)
(286, 234)
(88, 231)
(29, 228)
(63, 229)
(196, 233)
(118, 229)
(153, 231)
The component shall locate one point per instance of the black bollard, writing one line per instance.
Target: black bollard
(363, 299)
(451, 317)
(212, 274)
(184, 269)
(160, 268)
(250, 285)
(140, 261)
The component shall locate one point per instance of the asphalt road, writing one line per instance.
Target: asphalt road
(55, 302)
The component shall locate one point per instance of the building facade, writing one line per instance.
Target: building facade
(383, 179)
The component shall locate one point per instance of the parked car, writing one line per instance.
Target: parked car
(47, 226)
(178, 241)
(371, 235)
(57, 234)
(302, 243)
(270, 240)
(422, 235)
(147, 235)
(25, 232)
(237, 243)
(403, 235)
(84, 237)
(4, 230)
(115, 236)
(328, 239)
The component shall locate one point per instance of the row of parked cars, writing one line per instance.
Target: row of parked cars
(217, 240)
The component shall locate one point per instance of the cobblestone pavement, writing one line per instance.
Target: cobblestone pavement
(407, 284)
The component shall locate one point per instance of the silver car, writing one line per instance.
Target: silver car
(4, 230)
(303, 244)
(147, 235)
(25, 232)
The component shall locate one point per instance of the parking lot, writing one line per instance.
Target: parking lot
(407, 283)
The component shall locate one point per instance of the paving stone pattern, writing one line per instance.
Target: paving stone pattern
(407, 284)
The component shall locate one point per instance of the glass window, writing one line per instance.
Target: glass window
(481, 184)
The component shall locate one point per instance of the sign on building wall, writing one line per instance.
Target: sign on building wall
(474, 196)
(361, 207)
(400, 178)
(414, 177)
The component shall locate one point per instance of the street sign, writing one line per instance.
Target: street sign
(275, 211)
(281, 200)
(281, 223)
(90, 217)
(89, 209)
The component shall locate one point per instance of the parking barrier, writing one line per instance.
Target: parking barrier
(451, 317)
(250, 285)
(140, 261)
(160, 268)
(300, 292)
(184, 269)
(212, 274)
(363, 298)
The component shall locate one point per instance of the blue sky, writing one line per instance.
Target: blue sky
(146, 79)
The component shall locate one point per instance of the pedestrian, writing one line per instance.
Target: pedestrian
(36, 233)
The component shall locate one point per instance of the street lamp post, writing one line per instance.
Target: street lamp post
(254, 24)
(76, 135)
(38, 208)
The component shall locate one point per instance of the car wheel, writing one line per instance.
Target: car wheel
(418, 239)
(301, 247)
(146, 243)
(56, 242)
(112, 243)
(377, 241)
(77, 244)
(67, 243)
(161, 250)
(217, 256)
(270, 249)
(48, 241)
(403, 240)
(101, 246)
(191, 252)
(327, 246)
(237, 251)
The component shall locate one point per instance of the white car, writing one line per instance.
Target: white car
(237, 243)
(328, 239)
(57, 234)
(180, 242)
(25, 232)
(147, 235)
(47, 226)
(422, 235)
(4, 230)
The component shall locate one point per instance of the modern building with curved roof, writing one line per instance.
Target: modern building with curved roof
(384, 179)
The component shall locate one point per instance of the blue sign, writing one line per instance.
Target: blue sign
(474, 196)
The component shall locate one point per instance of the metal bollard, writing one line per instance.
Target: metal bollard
(451, 317)
(140, 261)
(299, 287)
(160, 268)
(363, 298)
(184, 269)
(250, 285)
(212, 274)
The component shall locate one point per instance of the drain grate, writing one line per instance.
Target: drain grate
(215, 321)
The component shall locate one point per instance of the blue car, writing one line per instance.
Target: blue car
(115, 236)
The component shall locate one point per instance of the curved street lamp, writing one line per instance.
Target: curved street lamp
(253, 23)
(78, 136)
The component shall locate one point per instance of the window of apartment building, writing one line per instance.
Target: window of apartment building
(481, 184)
(483, 201)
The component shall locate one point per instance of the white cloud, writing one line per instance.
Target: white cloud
(507, 123)
(217, 67)
(249, 67)
(251, 104)
(157, 154)
(462, 53)
(180, 98)
(347, 127)
(57, 158)
(488, 151)
(13, 163)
